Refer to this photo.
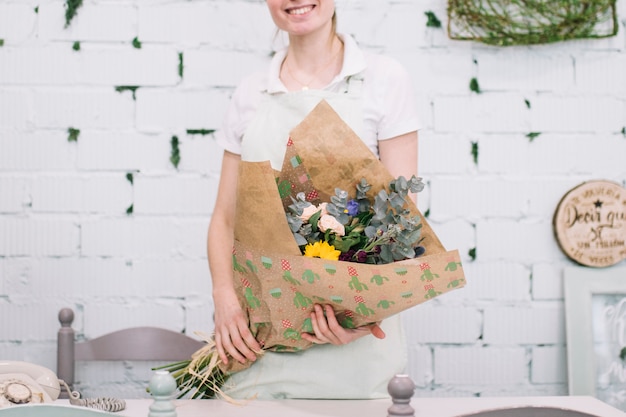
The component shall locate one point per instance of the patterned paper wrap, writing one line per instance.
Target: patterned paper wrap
(278, 285)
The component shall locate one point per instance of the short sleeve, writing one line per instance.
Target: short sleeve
(239, 113)
(395, 96)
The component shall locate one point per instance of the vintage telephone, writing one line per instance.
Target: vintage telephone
(23, 382)
(26, 383)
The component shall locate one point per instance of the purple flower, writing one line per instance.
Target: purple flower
(361, 256)
(352, 207)
(347, 256)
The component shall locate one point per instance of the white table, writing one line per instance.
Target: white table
(424, 407)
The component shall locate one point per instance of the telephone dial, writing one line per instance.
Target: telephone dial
(27, 383)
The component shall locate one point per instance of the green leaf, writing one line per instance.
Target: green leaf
(129, 177)
(473, 85)
(76, 46)
(181, 67)
(200, 131)
(527, 103)
(1, 42)
(532, 135)
(433, 21)
(475, 152)
(71, 8)
(72, 134)
(472, 254)
(129, 210)
(136, 43)
(131, 88)
(175, 153)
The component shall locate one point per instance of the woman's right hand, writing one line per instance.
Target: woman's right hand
(232, 335)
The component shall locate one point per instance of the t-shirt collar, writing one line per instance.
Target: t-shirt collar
(353, 63)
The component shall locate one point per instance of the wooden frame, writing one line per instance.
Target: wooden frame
(581, 284)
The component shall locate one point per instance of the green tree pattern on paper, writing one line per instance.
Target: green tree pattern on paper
(361, 308)
(427, 275)
(287, 272)
(378, 279)
(310, 276)
(301, 301)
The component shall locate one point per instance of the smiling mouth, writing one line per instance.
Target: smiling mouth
(300, 10)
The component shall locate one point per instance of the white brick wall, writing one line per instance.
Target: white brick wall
(66, 238)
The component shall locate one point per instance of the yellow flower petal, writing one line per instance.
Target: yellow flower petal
(312, 250)
(328, 252)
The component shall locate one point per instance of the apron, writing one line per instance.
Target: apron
(359, 370)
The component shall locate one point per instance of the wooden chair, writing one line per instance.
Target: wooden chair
(132, 344)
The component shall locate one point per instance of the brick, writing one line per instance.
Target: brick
(541, 323)
(123, 150)
(38, 236)
(548, 281)
(193, 238)
(175, 110)
(503, 153)
(83, 109)
(480, 365)
(38, 312)
(478, 197)
(200, 67)
(167, 314)
(455, 234)
(180, 195)
(14, 194)
(93, 22)
(436, 71)
(68, 194)
(36, 151)
(498, 281)
(495, 113)
(525, 70)
(17, 23)
(421, 366)
(218, 23)
(16, 108)
(201, 155)
(443, 324)
(181, 278)
(573, 114)
(548, 365)
(444, 154)
(518, 241)
(600, 72)
(59, 64)
(127, 236)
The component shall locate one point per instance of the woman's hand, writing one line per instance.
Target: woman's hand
(232, 334)
(327, 329)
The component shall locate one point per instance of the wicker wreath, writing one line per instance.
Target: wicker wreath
(528, 22)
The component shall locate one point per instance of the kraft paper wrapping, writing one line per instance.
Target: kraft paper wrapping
(278, 286)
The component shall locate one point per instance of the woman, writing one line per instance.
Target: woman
(373, 95)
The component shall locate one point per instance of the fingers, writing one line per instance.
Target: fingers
(238, 342)
(326, 328)
(377, 332)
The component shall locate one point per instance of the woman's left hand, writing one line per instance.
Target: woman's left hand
(328, 330)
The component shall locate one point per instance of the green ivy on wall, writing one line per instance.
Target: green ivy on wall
(528, 22)
(71, 8)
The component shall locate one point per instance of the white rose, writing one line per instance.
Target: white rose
(328, 222)
(307, 212)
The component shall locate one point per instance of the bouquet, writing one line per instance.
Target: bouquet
(354, 229)
(376, 256)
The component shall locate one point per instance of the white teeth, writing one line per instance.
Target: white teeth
(301, 10)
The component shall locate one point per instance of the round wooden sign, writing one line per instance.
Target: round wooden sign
(590, 223)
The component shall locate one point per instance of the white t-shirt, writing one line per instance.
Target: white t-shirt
(361, 369)
(388, 100)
